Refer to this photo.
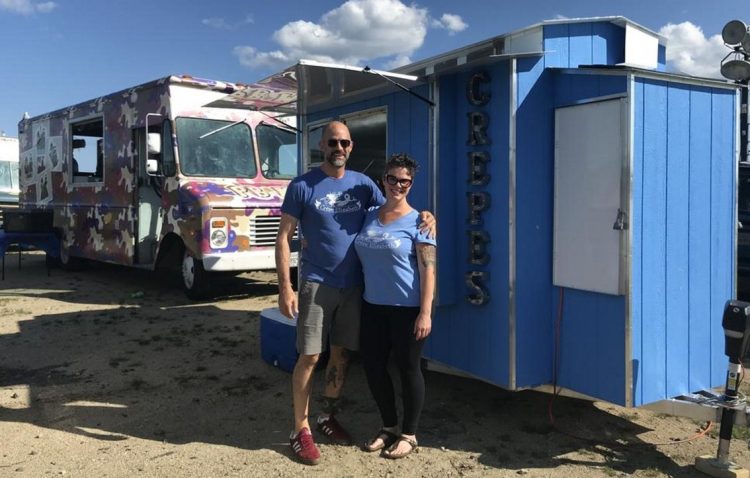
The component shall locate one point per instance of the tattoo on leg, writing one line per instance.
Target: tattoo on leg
(332, 377)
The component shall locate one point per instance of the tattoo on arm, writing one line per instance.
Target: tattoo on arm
(427, 256)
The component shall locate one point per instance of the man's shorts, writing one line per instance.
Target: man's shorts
(327, 312)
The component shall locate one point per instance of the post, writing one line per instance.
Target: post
(743, 120)
(735, 322)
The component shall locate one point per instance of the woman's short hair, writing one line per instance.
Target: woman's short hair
(402, 160)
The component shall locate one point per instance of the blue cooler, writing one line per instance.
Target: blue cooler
(278, 339)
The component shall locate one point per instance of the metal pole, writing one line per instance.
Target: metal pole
(727, 414)
(743, 121)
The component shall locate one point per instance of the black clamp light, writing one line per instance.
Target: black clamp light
(736, 67)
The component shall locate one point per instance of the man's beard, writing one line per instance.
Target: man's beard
(336, 161)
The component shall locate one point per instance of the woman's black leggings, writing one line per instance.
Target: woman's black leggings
(385, 328)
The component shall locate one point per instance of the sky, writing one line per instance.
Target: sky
(58, 53)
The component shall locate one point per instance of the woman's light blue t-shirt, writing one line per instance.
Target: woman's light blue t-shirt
(389, 259)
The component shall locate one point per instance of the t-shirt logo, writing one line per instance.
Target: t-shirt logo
(337, 203)
(378, 240)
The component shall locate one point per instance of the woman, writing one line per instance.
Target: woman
(399, 268)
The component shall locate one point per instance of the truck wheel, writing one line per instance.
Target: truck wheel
(194, 277)
(68, 262)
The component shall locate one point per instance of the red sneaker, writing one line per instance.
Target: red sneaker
(333, 430)
(304, 448)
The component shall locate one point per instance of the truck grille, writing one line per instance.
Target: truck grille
(263, 230)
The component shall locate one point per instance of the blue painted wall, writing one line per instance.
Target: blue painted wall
(591, 338)
(683, 227)
(575, 44)
(534, 178)
(472, 338)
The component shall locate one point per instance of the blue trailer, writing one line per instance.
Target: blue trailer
(586, 202)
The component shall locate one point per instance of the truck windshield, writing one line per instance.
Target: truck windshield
(8, 176)
(214, 148)
(278, 152)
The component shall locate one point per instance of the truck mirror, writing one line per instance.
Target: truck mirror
(79, 143)
(154, 143)
(152, 166)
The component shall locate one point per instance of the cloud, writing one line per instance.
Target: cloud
(452, 23)
(218, 23)
(26, 7)
(221, 24)
(690, 52)
(355, 32)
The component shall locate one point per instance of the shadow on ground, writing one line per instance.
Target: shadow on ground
(155, 366)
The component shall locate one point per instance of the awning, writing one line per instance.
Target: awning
(311, 86)
(276, 93)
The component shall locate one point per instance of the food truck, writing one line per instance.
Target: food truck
(155, 175)
(585, 199)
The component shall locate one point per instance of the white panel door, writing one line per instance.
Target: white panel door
(589, 159)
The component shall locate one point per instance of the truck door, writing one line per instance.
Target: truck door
(148, 197)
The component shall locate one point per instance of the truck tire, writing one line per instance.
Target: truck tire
(195, 280)
(68, 262)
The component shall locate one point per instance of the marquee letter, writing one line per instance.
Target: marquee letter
(478, 168)
(478, 203)
(478, 128)
(475, 281)
(472, 89)
(478, 241)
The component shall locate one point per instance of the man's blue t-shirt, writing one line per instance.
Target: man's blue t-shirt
(330, 212)
(389, 259)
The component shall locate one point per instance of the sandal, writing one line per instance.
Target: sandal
(388, 453)
(387, 438)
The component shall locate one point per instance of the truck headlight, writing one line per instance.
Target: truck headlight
(219, 233)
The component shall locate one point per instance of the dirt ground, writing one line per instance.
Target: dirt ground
(112, 372)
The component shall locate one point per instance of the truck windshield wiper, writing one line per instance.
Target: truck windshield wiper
(220, 129)
(285, 126)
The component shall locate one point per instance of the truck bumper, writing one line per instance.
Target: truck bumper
(244, 261)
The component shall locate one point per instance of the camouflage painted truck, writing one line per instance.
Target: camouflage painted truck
(156, 176)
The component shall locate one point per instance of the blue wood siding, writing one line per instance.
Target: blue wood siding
(571, 88)
(592, 325)
(534, 293)
(683, 230)
(592, 344)
(468, 337)
(575, 44)
(661, 60)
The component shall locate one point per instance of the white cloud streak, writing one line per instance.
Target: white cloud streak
(355, 32)
(222, 24)
(690, 52)
(26, 7)
(452, 23)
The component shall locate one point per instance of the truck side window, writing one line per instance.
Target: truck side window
(168, 165)
(87, 150)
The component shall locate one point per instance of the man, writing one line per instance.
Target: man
(329, 203)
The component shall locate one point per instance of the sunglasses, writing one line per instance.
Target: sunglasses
(393, 180)
(345, 143)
